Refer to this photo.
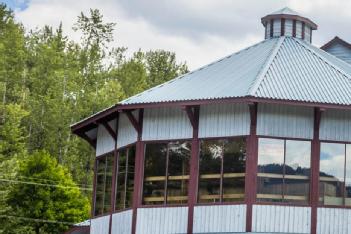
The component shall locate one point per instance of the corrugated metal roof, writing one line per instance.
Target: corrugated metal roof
(302, 72)
(283, 68)
(285, 11)
(228, 77)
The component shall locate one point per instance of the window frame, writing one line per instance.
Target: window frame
(96, 164)
(164, 204)
(198, 203)
(288, 203)
(116, 167)
(345, 143)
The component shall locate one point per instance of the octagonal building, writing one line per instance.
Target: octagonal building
(256, 142)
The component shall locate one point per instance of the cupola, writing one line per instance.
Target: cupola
(287, 22)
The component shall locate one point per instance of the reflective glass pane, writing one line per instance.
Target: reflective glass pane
(154, 173)
(211, 152)
(234, 158)
(178, 172)
(297, 171)
(100, 186)
(331, 175)
(130, 177)
(121, 176)
(108, 183)
(270, 169)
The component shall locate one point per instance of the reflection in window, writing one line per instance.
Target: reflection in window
(103, 184)
(283, 170)
(222, 170)
(125, 178)
(332, 173)
(166, 173)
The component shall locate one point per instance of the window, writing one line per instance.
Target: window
(335, 174)
(103, 184)
(166, 173)
(222, 170)
(283, 170)
(125, 178)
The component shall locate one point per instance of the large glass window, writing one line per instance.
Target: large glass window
(335, 174)
(166, 173)
(283, 170)
(222, 170)
(103, 184)
(125, 178)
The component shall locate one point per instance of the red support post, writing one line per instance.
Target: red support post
(315, 156)
(194, 167)
(94, 189)
(251, 166)
(114, 171)
(139, 171)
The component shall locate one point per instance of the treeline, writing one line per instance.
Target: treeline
(47, 83)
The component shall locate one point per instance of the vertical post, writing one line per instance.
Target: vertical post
(271, 28)
(138, 177)
(251, 166)
(282, 27)
(194, 169)
(315, 155)
(303, 31)
(94, 189)
(294, 28)
(114, 174)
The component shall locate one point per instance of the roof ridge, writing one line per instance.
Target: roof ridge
(330, 63)
(260, 77)
(196, 70)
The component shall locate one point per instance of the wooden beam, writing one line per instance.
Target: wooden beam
(136, 124)
(190, 111)
(92, 142)
(112, 133)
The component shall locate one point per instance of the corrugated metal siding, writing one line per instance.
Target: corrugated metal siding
(100, 225)
(225, 218)
(298, 29)
(166, 123)
(126, 131)
(227, 77)
(285, 219)
(288, 27)
(340, 51)
(162, 220)
(276, 28)
(307, 33)
(336, 125)
(105, 143)
(301, 72)
(122, 222)
(220, 120)
(285, 121)
(333, 221)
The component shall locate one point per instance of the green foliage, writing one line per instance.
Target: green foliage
(62, 201)
(47, 83)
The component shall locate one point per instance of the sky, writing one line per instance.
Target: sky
(198, 31)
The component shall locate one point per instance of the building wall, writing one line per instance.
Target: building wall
(166, 123)
(219, 218)
(336, 125)
(285, 121)
(340, 51)
(219, 120)
(100, 225)
(126, 132)
(105, 143)
(162, 220)
(335, 221)
(285, 219)
(122, 222)
(289, 27)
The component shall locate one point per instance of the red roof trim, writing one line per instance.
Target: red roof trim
(336, 40)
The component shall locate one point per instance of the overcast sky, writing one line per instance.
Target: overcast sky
(199, 31)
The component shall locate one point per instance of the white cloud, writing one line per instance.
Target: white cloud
(198, 31)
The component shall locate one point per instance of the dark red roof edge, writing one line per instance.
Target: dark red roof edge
(336, 40)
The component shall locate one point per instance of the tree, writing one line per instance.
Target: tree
(57, 199)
